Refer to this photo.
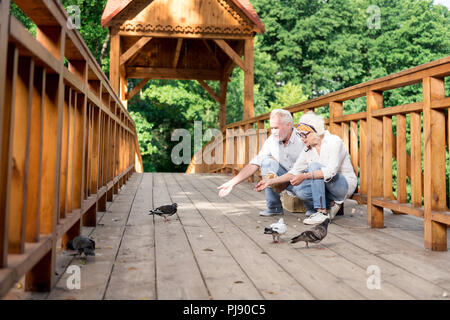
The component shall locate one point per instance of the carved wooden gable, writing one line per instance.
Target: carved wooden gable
(184, 17)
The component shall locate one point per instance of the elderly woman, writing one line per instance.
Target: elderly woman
(322, 177)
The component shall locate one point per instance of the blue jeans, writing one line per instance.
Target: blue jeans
(272, 198)
(315, 194)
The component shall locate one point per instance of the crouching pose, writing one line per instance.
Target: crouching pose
(277, 156)
(322, 177)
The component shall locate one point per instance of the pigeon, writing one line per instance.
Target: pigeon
(276, 229)
(315, 235)
(82, 244)
(165, 211)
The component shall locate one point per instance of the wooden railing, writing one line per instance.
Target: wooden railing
(67, 143)
(372, 143)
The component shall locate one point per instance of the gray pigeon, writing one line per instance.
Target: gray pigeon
(82, 244)
(165, 211)
(315, 235)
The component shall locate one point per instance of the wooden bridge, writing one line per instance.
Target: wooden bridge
(71, 162)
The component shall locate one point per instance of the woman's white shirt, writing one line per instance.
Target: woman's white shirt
(333, 157)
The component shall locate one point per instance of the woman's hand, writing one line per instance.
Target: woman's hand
(296, 180)
(260, 186)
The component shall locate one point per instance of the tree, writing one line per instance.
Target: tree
(310, 48)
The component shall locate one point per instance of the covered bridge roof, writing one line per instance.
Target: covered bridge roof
(114, 7)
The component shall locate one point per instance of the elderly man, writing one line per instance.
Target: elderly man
(278, 155)
(323, 176)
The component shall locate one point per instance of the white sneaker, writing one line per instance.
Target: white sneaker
(334, 210)
(316, 218)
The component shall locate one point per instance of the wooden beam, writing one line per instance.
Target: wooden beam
(401, 158)
(230, 65)
(216, 60)
(35, 156)
(363, 157)
(136, 89)
(416, 159)
(375, 217)
(7, 160)
(123, 88)
(4, 57)
(114, 61)
(21, 123)
(435, 233)
(354, 152)
(209, 90)
(171, 34)
(170, 73)
(134, 49)
(388, 149)
(248, 80)
(223, 103)
(231, 53)
(177, 53)
(335, 110)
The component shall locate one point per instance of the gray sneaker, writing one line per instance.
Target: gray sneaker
(334, 210)
(310, 212)
(269, 212)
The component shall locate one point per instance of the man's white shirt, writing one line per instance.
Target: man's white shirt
(285, 155)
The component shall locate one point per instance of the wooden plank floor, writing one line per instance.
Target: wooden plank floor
(215, 249)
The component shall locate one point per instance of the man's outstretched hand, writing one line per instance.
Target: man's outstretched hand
(225, 189)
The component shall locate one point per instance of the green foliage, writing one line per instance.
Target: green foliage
(22, 17)
(288, 95)
(310, 48)
(91, 30)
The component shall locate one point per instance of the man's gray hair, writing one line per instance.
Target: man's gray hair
(285, 115)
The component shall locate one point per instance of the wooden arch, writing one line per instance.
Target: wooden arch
(182, 40)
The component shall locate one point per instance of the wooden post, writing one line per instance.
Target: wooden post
(123, 88)
(18, 154)
(73, 232)
(401, 158)
(354, 150)
(416, 160)
(90, 216)
(114, 60)
(336, 110)
(64, 154)
(435, 233)
(86, 153)
(387, 157)
(241, 148)
(95, 151)
(374, 156)
(5, 169)
(5, 57)
(248, 79)
(41, 277)
(80, 106)
(223, 103)
(247, 132)
(363, 157)
(235, 150)
(35, 156)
